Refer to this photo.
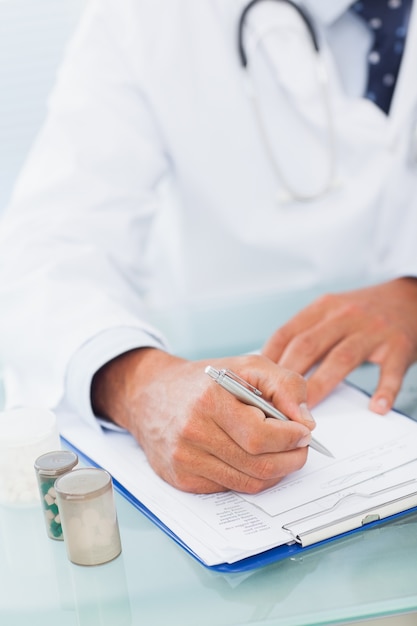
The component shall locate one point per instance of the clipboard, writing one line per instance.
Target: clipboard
(302, 533)
(307, 536)
(302, 542)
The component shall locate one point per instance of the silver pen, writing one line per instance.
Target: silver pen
(249, 394)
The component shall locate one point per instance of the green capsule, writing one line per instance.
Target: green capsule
(54, 509)
(45, 486)
(56, 529)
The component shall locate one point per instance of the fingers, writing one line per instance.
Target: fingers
(390, 351)
(275, 347)
(252, 435)
(337, 335)
(198, 437)
(210, 474)
(338, 332)
(345, 331)
(202, 465)
(230, 445)
(285, 389)
(393, 369)
(334, 368)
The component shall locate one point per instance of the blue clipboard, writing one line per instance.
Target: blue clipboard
(250, 563)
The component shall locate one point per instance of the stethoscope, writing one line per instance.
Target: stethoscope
(322, 80)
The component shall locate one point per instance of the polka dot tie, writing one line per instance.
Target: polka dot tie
(388, 20)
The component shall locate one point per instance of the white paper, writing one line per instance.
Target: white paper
(227, 527)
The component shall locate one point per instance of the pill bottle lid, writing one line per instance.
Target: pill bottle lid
(25, 426)
(83, 483)
(56, 462)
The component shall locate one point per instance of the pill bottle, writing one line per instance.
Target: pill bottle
(25, 434)
(88, 516)
(48, 467)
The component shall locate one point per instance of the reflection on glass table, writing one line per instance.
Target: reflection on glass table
(154, 582)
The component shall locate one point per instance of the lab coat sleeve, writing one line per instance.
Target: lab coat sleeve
(73, 240)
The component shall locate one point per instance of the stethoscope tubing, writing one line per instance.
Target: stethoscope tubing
(306, 19)
(322, 79)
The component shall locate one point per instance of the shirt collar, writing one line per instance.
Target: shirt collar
(326, 11)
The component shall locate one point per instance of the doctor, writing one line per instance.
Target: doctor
(183, 176)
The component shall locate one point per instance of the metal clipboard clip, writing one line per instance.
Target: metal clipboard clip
(318, 527)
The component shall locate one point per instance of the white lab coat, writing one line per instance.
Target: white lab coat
(148, 212)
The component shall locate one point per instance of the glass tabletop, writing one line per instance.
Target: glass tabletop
(368, 574)
(154, 582)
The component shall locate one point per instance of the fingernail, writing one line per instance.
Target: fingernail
(305, 441)
(381, 405)
(305, 413)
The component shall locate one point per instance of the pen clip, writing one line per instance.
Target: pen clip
(242, 382)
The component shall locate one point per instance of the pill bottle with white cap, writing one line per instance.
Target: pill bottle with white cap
(25, 434)
(88, 516)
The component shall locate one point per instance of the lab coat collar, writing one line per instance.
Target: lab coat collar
(326, 11)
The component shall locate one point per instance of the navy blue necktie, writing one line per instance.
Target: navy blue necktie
(388, 20)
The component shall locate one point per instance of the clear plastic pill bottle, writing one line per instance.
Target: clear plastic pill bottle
(48, 468)
(88, 516)
(25, 434)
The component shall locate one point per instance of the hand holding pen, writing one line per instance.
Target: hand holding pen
(196, 436)
(250, 395)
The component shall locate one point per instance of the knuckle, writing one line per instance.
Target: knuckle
(251, 361)
(205, 401)
(192, 430)
(189, 483)
(178, 461)
(297, 459)
(351, 309)
(305, 344)
(380, 326)
(188, 431)
(338, 307)
(327, 301)
(271, 467)
(267, 473)
(404, 343)
(264, 468)
(179, 473)
(184, 482)
(254, 444)
(318, 387)
(250, 484)
(344, 356)
(293, 381)
(400, 347)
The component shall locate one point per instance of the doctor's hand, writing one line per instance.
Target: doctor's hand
(339, 332)
(196, 435)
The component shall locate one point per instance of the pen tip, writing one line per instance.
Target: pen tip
(322, 449)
